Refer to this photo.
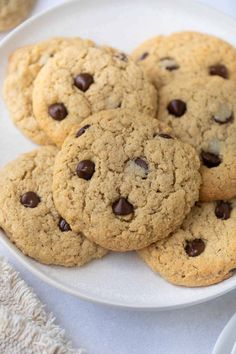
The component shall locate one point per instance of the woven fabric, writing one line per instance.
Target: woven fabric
(25, 326)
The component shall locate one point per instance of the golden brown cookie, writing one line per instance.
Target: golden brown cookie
(124, 181)
(202, 252)
(24, 65)
(13, 12)
(202, 112)
(29, 217)
(76, 83)
(165, 58)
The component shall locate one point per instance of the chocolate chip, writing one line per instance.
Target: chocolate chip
(122, 207)
(224, 114)
(223, 210)
(30, 199)
(177, 108)
(165, 135)
(81, 131)
(143, 56)
(210, 160)
(63, 225)
(85, 169)
(195, 247)
(57, 111)
(169, 64)
(224, 120)
(219, 70)
(122, 56)
(141, 163)
(83, 81)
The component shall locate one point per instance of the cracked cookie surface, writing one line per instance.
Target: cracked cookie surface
(13, 12)
(202, 252)
(23, 67)
(124, 181)
(165, 58)
(202, 112)
(29, 217)
(76, 83)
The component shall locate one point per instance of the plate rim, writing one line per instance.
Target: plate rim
(56, 283)
(225, 337)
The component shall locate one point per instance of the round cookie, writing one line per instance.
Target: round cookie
(24, 65)
(29, 217)
(202, 112)
(120, 177)
(74, 84)
(165, 58)
(13, 12)
(202, 252)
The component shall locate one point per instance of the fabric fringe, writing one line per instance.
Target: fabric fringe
(25, 326)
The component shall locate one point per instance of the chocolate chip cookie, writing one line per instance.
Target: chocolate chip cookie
(24, 65)
(76, 83)
(202, 112)
(124, 181)
(165, 58)
(203, 251)
(13, 12)
(29, 217)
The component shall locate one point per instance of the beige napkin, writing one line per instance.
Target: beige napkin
(25, 326)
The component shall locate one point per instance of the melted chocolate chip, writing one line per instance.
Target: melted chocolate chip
(226, 120)
(223, 210)
(141, 163)
(165, 136)
(169, 63)
(57, 111)
(122, 207)
(177, 108)
(83, 81)
(219, 70)
(63, 225)
(143, 56)
(172, 67)
(195, 247)
(122, 56)
(30, 199)
(85, 169)
(82, 130)
(210, 160)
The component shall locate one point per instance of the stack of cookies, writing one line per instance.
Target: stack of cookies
(139, 154)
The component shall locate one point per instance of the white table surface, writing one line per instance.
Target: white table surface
(105, 330)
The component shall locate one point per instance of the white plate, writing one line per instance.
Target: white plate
(118, 279)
